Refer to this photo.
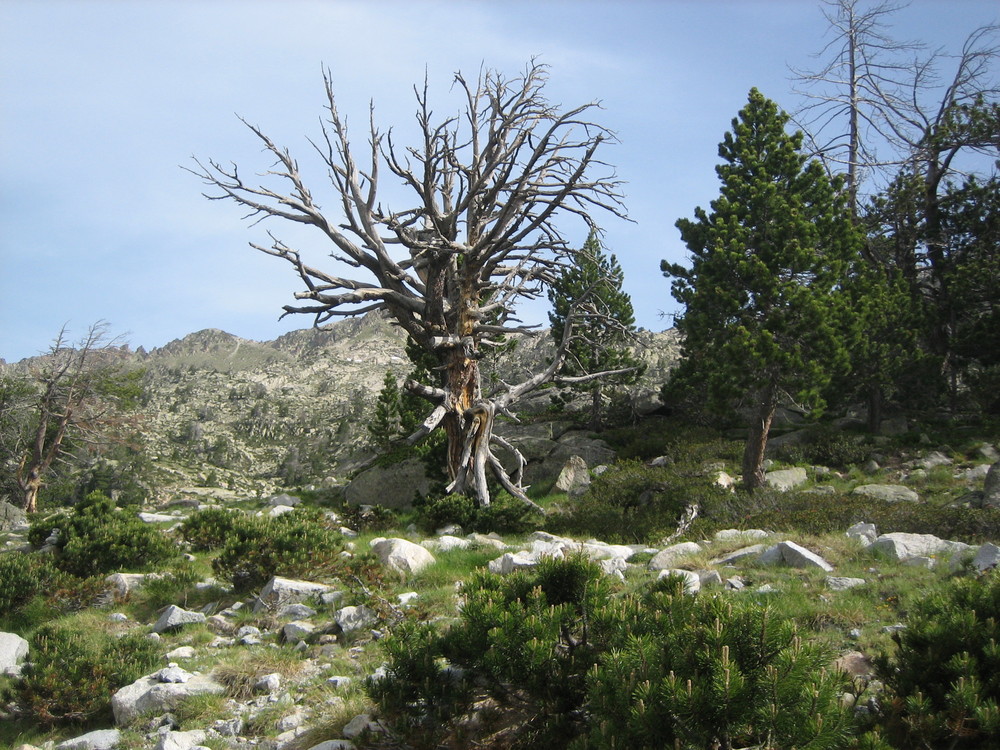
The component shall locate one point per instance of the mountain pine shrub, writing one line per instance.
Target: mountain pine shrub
(96, 538)
(633, 502)
(946, 671)
(560, 657)
(22, 577)
(300, 543)
(74, 671)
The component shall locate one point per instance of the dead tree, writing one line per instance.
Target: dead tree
(76, 399)
(486, 188)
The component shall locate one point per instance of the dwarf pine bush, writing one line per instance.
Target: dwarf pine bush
(946, 671)
(293, 544)
(562, 660)
(74, 672)
(96, 538)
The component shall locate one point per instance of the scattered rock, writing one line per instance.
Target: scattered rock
(837, 583)
(149, 695)
(296, 611)
(987, 558)
(334, 745)
(395, 486)
(991, 487)
(351, 619)
(283, 499)
(901, 546)
(281, 591)
(12, 518)
(269, 683)
(727, 535)
(102, 739)
(754, 550)
(125, 583)
(933, 460)
(360, 723)
(855, 663)
(181, 652)
(402, 555)
(181, 740)
(174, 617)
(890, 493)
(866, 533)
(794, 555)
(669, 556)
(894, 426)
(786, 479)
(13, 652)
(574, 479)
(297, 631)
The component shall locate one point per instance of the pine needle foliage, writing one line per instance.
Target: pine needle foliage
(561, 657)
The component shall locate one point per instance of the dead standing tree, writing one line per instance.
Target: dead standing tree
(488, 187)
(79, 393)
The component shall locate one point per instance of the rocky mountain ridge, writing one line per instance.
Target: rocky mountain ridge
(245, 417)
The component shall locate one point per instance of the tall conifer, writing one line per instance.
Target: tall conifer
(764, 310)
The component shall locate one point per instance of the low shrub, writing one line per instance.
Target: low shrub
(22, 577)
(558, 657)
(293, 544)
(504, 515)
(74, 672)
(825, 446)
(946, 671)
(96, 538)
(810, 513)
(207, 529)
(632, 502)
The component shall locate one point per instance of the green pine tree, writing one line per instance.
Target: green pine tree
(386, 424)
(603, 328)
(764, 313)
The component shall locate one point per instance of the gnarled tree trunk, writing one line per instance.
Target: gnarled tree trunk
(760, 426)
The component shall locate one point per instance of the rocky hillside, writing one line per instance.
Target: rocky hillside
(230, 414)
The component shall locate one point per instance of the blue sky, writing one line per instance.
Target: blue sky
(102, 103)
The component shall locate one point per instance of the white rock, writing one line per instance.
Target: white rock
(402, 555)
(351, 619)
(446, 543)
(174, 617)
(126, 583)
(754, 550)
(173, 674)
(298, 630)
(181, 740)
(157, 518)
(727, 535)
(268, 683)
(901, 546)
(987, 557)
(891, 493)
(794, 555)
(13, 651)
(784, 480)
(102, 739)
(668, 557)
(181, 652)
(281, 591)
(149, 695)
(359, 724)
(866, 533)
(279, 510)
(334, 745)
(838, 583)
(296, 611)
(934, 459)
(407, 597)
(338, 681)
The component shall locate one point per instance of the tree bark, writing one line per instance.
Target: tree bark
(760, 427)
(874, 409)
